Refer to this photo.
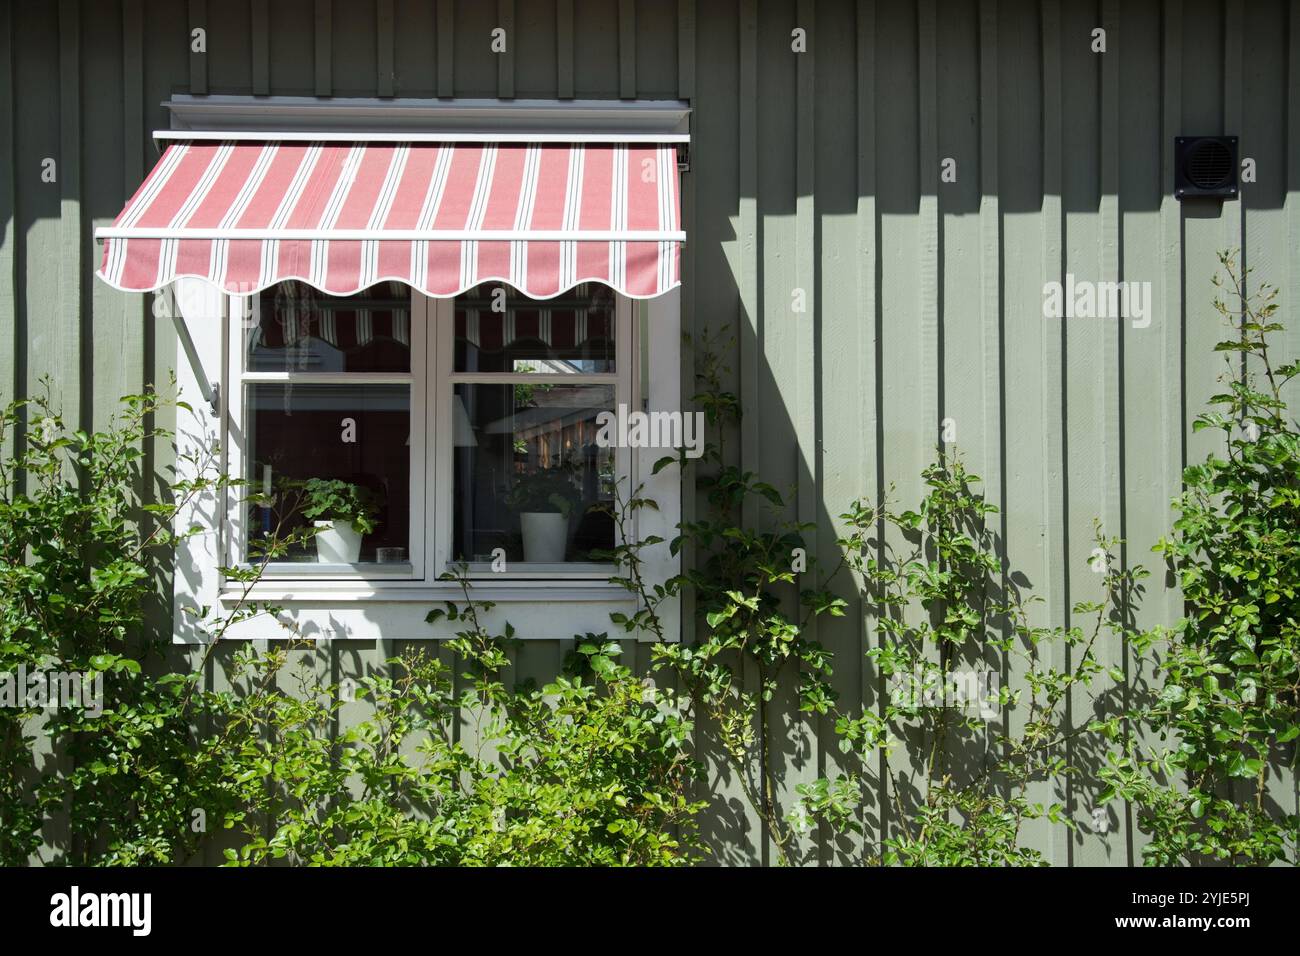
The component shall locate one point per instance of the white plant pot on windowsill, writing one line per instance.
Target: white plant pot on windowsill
(545, 536)
(337, 542)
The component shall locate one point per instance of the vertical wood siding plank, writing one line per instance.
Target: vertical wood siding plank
(1173, 315)
(750, 330)
(808, 470)
(261, 47)
(990, 254)
(627, 49)
(990, 307)
(1053, 344)
(1119, 841)
(1289, 287)
(136, 313)
(907, 426)
(1171, 217)
(962, 255)
(1234, 213)
(871, 457)
(776, 409)
(72, 373)
(1204, 231)
(1122, 138)
(10, 346)
(385, 80)
(1020, 165)
(1233, 42)
(961, 343)
(806, 277)
(564, 48)
(690, 334)
(1149, 407)
(930, 362)
(1262, 128)
(685, 49)
(67, 368)
(1095, 438)
(446, 48)
(216, 670)
(930, 264)
(839, 380)
(198, 61)
(1253, 230)
(1111, 248)
(388, 649)
(506, 60)
(627, 654)
(324, 48)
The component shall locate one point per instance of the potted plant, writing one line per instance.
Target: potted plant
(544, 500)
(343, 513)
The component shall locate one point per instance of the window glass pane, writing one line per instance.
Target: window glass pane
(500, 330)
(529, 475)
(336, 452)
(295, 328)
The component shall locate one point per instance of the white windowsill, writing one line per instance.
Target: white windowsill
(344, 592)
(533, 609)
(538, 571)
(371, 570)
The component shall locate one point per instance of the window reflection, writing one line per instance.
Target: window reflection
(295, 328)
(499, 330)
(530, 477)
(345, 446)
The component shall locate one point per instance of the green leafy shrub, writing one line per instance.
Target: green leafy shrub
(949, 621)
(1199, 752)
(939, 605)
(1222, 714)
(753, 614)
(79, 551)
(589, 770)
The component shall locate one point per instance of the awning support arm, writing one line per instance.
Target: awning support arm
(211, 391)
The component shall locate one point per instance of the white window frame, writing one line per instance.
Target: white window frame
(626, 382)
(362, 605)
(432, 382)
(241, 311)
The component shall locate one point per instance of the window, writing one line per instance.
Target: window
(485, 403)
(329, 425)
(390, 426)
(532, 487)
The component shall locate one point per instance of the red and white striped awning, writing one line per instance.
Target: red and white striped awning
(441, 217)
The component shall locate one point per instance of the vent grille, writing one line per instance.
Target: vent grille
(1205, 167)
(1209, 164)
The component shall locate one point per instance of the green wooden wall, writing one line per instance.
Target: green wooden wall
(817, 171)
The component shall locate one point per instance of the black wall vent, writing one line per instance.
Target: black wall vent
(1205, 166)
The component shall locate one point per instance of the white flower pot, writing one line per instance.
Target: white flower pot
(337, 543)
(545, 536)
